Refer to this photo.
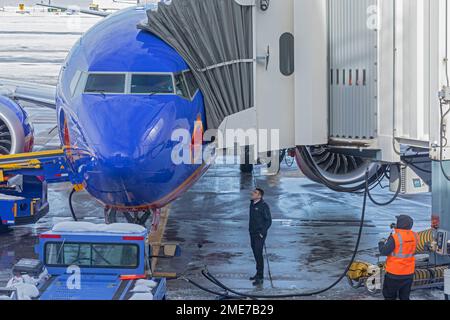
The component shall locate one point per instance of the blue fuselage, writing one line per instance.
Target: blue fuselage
(121, 142)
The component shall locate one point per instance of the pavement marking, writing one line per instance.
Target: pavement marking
(348, 203)
(416, 203)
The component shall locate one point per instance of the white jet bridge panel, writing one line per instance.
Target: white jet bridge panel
(352, 69)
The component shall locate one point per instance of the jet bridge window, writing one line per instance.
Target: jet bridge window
(105, 83)
(152, 84)
(287, 54)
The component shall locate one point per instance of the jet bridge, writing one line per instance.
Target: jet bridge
(351, 84)
(358, 78)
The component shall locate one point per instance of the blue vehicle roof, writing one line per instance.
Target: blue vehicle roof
(86, 231)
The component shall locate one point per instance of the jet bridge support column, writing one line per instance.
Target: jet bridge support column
(441, 197)
(441, 212)
(439, 102)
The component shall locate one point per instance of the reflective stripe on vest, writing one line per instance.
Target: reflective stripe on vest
(400, 250)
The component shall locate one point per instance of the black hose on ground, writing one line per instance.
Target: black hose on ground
(71, 206)
(215, 281)
(221, 295)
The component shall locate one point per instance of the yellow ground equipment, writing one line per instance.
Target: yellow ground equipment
(94, 6)
(425, 241)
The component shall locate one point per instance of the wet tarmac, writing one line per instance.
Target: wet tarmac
(314, 229)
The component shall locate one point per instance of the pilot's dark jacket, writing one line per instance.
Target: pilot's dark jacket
(260, 218)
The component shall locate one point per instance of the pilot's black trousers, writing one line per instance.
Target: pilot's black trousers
(397, 288)
(257, 244)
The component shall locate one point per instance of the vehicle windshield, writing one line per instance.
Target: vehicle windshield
(102, 255)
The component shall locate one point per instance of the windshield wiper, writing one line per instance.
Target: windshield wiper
(102, 92)
(60, 251)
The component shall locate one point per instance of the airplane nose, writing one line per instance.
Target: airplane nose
(124, 132)
(132, 147)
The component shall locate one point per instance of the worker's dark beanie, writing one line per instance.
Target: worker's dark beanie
(405, 222)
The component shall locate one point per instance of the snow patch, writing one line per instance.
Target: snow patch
(119, 228)
(125, 228)
(44, 276)
(142, 296)
(25, 291)
(146, 283)
(142, 289)
(6, 197)
(71, 226)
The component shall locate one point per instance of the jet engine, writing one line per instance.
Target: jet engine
(16, 131)
(338, 170)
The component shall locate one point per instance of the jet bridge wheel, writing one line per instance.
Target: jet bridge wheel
(343, 171)
(110, 216)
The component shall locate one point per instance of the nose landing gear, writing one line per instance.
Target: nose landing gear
(139, 218)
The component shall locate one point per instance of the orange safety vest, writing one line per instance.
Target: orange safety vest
(401, 262)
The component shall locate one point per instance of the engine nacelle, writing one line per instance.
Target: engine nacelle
(339, 171)
(16, 131)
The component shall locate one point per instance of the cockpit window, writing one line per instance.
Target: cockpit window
(74, 84)
(191, 83)
(105, 83)
(151, 83)
(181, 86)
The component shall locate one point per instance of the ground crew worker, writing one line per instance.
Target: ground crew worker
(400, 249)
(259, 224)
